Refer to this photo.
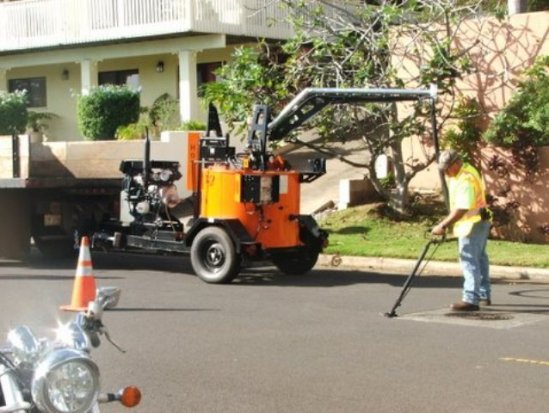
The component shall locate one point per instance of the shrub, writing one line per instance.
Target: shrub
(526, 116)
(38, 121)
(13, 112)
(137, 130)
(105, 109)
(192, 125)
(131, 132)
(163, 113)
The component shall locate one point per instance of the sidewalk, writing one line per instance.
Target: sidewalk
(433, 268)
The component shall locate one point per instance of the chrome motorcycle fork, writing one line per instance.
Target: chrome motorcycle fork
(13, 398)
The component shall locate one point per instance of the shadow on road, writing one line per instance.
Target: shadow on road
(258, 275)
(167, 310)
(519, 308)
(43, 277)
(335, 278)
(253, 275)
(107, 261)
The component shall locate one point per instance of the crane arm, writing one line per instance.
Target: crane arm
(310, 101)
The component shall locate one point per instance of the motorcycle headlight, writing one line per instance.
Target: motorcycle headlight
(65, 381)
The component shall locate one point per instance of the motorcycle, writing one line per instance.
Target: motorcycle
(59, 376)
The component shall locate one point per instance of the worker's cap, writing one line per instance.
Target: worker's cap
(446, 159)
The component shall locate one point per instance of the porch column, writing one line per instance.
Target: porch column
(3, 80)
(89, 76)
(188, 90)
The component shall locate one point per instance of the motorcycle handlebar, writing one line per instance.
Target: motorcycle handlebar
(16, 407)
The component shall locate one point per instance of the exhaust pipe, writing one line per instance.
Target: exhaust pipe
(147, 159)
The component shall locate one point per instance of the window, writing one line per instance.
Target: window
(205, 74)
(35, 87)
(120, 77)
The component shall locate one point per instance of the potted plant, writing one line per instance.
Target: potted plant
(37, 123)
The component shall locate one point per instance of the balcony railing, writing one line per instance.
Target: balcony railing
(30, 24)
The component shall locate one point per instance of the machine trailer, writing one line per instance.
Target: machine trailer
(244, 205)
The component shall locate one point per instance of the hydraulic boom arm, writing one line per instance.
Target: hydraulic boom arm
(310, 101)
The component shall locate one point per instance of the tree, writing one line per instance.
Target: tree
(254, 75)
(526, 116)
(354, 44)
(523, 124)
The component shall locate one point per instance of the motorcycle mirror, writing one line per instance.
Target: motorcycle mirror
(95, 310)
(108, 297)
(25, 346)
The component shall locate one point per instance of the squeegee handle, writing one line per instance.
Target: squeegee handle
(410, 278)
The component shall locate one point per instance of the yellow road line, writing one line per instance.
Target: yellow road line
(526, 361)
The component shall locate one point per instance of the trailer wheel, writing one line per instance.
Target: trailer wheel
(295, 262)
(213, 256)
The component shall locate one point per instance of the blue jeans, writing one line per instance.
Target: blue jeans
(475, 264)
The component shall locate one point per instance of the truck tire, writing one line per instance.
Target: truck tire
(295, 262)
(213, 256)
(55, 248)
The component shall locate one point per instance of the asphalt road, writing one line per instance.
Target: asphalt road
(316, 343)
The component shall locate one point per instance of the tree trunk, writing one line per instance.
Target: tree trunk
(399, 200)
(399, 197)
(516, 6)
(382, 192)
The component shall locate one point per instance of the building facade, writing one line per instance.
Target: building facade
(59, 49)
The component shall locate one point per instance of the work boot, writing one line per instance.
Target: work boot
(464, 306)
(485, 301)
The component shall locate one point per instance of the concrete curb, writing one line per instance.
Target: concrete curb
(433, 268)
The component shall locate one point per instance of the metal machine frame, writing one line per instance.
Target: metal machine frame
(246, 206)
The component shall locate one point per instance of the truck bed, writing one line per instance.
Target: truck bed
(77, 164)
(64, 182)
(30, 172)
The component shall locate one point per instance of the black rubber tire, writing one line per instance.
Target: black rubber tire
(55, 249)
(213, 256)
(296, 262)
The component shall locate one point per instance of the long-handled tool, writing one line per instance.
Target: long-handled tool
(408, 283)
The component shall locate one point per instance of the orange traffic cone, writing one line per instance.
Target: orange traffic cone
(84, 283)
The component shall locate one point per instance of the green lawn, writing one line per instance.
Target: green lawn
(368, 231)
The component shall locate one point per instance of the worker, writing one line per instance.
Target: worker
(471, 222)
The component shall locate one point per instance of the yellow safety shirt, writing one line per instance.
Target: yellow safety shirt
(467, 191)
